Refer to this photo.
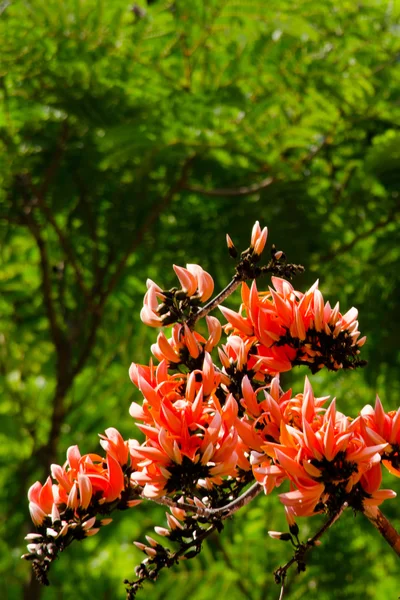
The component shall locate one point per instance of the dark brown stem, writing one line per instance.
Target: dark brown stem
(229, 509)
(67, 249)
(89, 343)
(39, 194)
(56, 333)
(54, 164)
(383, 525)
(46, 454)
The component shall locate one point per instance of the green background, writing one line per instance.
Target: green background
(134, 136)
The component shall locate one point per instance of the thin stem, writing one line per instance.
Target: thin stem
(216, 515)
(331, 521)
(383, 525)
(168, 561)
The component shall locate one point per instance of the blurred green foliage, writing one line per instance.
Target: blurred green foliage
(135, 136)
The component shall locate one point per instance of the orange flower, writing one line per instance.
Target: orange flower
(377, 426)
(321, 452)
(185, 344)
(195, 281)
(371, 481)
(83, 477)
(243, 355)
(81, 481)
(263, 419)
(149, 313)
(41, 500)
(258, 238)
(169, 388)
(289, 328)
(114, 444)
(190, 439)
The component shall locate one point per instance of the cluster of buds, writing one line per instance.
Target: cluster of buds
(186, 528)
(185, 346)
(69, 505)
(257, 244)
(43, 548)
(164, 307)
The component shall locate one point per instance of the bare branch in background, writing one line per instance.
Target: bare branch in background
(180, 184)
(361, 236)
(240, 191)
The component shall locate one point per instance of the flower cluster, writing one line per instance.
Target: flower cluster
(68, 505)
(190, 438)
(379, 427)
(327, 458)
(210, 426)
(285, 328)
(185, 346)
(163, 307)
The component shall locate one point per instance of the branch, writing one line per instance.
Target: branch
(167, 559)
(361, 236)
(55, 163)
(256, 187)
(162, 557)
(240, 191)
(383, 525)
(41, 194)
(302, 549)
(176, 187)
(46, 454)
(67, 249)
(56, 332)
(229, 509)
(36, 197)
(227, 291)
(97, 314)
(223, 512)
(89, 343)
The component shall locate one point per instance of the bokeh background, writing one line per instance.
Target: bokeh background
(134, 136)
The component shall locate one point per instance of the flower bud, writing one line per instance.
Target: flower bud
(278, 535)
(231, 247)
(162, 531)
